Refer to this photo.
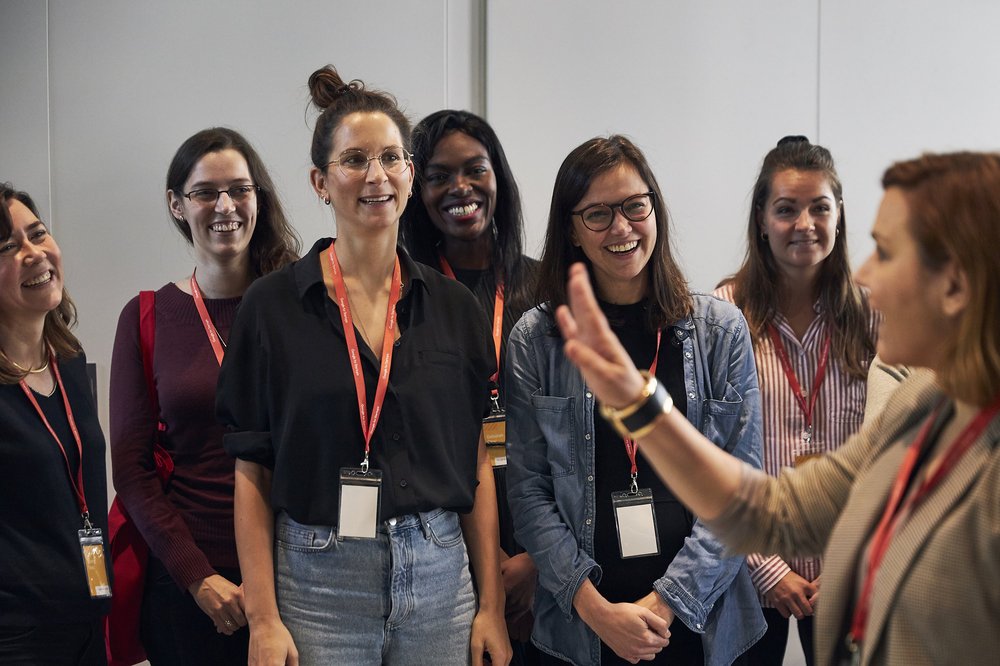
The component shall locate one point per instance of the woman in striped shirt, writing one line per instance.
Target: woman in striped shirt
(814, 338)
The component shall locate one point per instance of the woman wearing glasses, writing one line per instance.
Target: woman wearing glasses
(221, 198)
(53, 482)
(625, 572)
(813, 341)
(354, 390)
(466, 220)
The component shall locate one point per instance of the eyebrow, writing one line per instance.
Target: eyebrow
(203, 184)
(822, 197)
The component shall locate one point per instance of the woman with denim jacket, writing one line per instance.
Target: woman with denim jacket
(619, 559)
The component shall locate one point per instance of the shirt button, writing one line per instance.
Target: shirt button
(688, 354)
(589, 521)
(589, 395)
(697, 626)
(403, 484)
(396, 343)
(395, 436)
(691, 395)
(587, 436)
(392, 522)
(590, 477)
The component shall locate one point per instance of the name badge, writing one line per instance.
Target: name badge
(636, 523)
(94, 564)
(360, 498)
(495, 434)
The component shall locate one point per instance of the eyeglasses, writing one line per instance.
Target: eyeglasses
(238, 194)
(598, 217)
(354, 163)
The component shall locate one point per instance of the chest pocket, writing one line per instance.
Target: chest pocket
(722, 418)
(554, 415)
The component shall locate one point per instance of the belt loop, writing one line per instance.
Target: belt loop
(425, 524)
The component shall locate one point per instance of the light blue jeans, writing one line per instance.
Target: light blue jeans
(403, 598)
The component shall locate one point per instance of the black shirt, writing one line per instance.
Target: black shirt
(286, 393)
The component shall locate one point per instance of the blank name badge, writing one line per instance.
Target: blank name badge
(360, 495)
(636, 523)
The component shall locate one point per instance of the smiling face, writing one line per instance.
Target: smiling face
(31, 281)
(371, 199)
(460, 187)
(223, 229)
(919, 322)
(800, 220)
(619, 255)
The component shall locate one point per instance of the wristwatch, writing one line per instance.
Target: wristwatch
(638, 419)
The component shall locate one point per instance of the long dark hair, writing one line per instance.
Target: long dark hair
(59, 321)
(274, 242)
(757, 284)
(669, 298)
(419, 235)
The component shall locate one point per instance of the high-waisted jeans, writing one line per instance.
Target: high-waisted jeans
(403, 598)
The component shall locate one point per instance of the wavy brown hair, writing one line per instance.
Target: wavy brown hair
(954, 216)
(58, 322)
(757, 285)
(669, 298)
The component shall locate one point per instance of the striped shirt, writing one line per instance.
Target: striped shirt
(838, 413)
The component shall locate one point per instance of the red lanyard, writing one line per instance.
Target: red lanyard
(497, 319)
(335, 281)
(786, 365)
(893, 511)
(76, 480)
(631, 446)
(206, 321)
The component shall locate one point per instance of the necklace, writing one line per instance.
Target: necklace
(30, 371)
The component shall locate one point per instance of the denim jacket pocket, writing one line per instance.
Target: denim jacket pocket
(291, 535)
(722, 417)
(554, 415)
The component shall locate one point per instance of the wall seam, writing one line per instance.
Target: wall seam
(48, 113)
(819, 68)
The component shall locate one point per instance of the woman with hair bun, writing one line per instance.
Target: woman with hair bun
(814, 339)
(466, 220)
(354, 391)
(221, 199)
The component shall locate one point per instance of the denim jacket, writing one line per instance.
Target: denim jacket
(550, 433)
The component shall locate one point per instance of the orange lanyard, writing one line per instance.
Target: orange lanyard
(896, 508)
(75, 480)
(210, 330)
(786, 365)
(338, 292)
(631, 446)
(497, 322)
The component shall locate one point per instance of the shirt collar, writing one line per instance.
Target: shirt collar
(308, 273)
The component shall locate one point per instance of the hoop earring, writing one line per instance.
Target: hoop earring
(326, 200)
(763, 235)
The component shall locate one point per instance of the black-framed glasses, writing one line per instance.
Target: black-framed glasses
(598, 217)
(354, 163)
(238, 194)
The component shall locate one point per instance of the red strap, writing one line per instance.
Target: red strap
(631, 446)
(805, 407)
(497, 320)
(162, 461)
(895, 508)
(338, 293)
(211, 331)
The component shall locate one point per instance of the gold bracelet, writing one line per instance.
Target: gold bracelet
(639, 418)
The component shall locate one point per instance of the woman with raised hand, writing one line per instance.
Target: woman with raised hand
(625, 573)
(221, 199)
(54, 589)
(813, 336)
(354, 390)
(905, 513)
(466, 220)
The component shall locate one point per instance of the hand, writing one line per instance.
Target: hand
(222, 601)
(272, 645)
(815, 597)
(634, 633)
(519, 579)
(791, 596)
(593, 347)
(489, 635)
(654, 602)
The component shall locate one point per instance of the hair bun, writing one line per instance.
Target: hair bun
(792, 138)
(326, 86)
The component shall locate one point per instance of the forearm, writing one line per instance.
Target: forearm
(255, 540)
(482, 537)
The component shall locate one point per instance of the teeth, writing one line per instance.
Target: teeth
(623, 247)
(225, 226)
(41, 279)
(375, 200)
(462, 211)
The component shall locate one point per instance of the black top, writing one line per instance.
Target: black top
(632, 579)
(43, 579)
(286, 393)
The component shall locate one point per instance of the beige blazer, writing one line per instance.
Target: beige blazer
(937, 597)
